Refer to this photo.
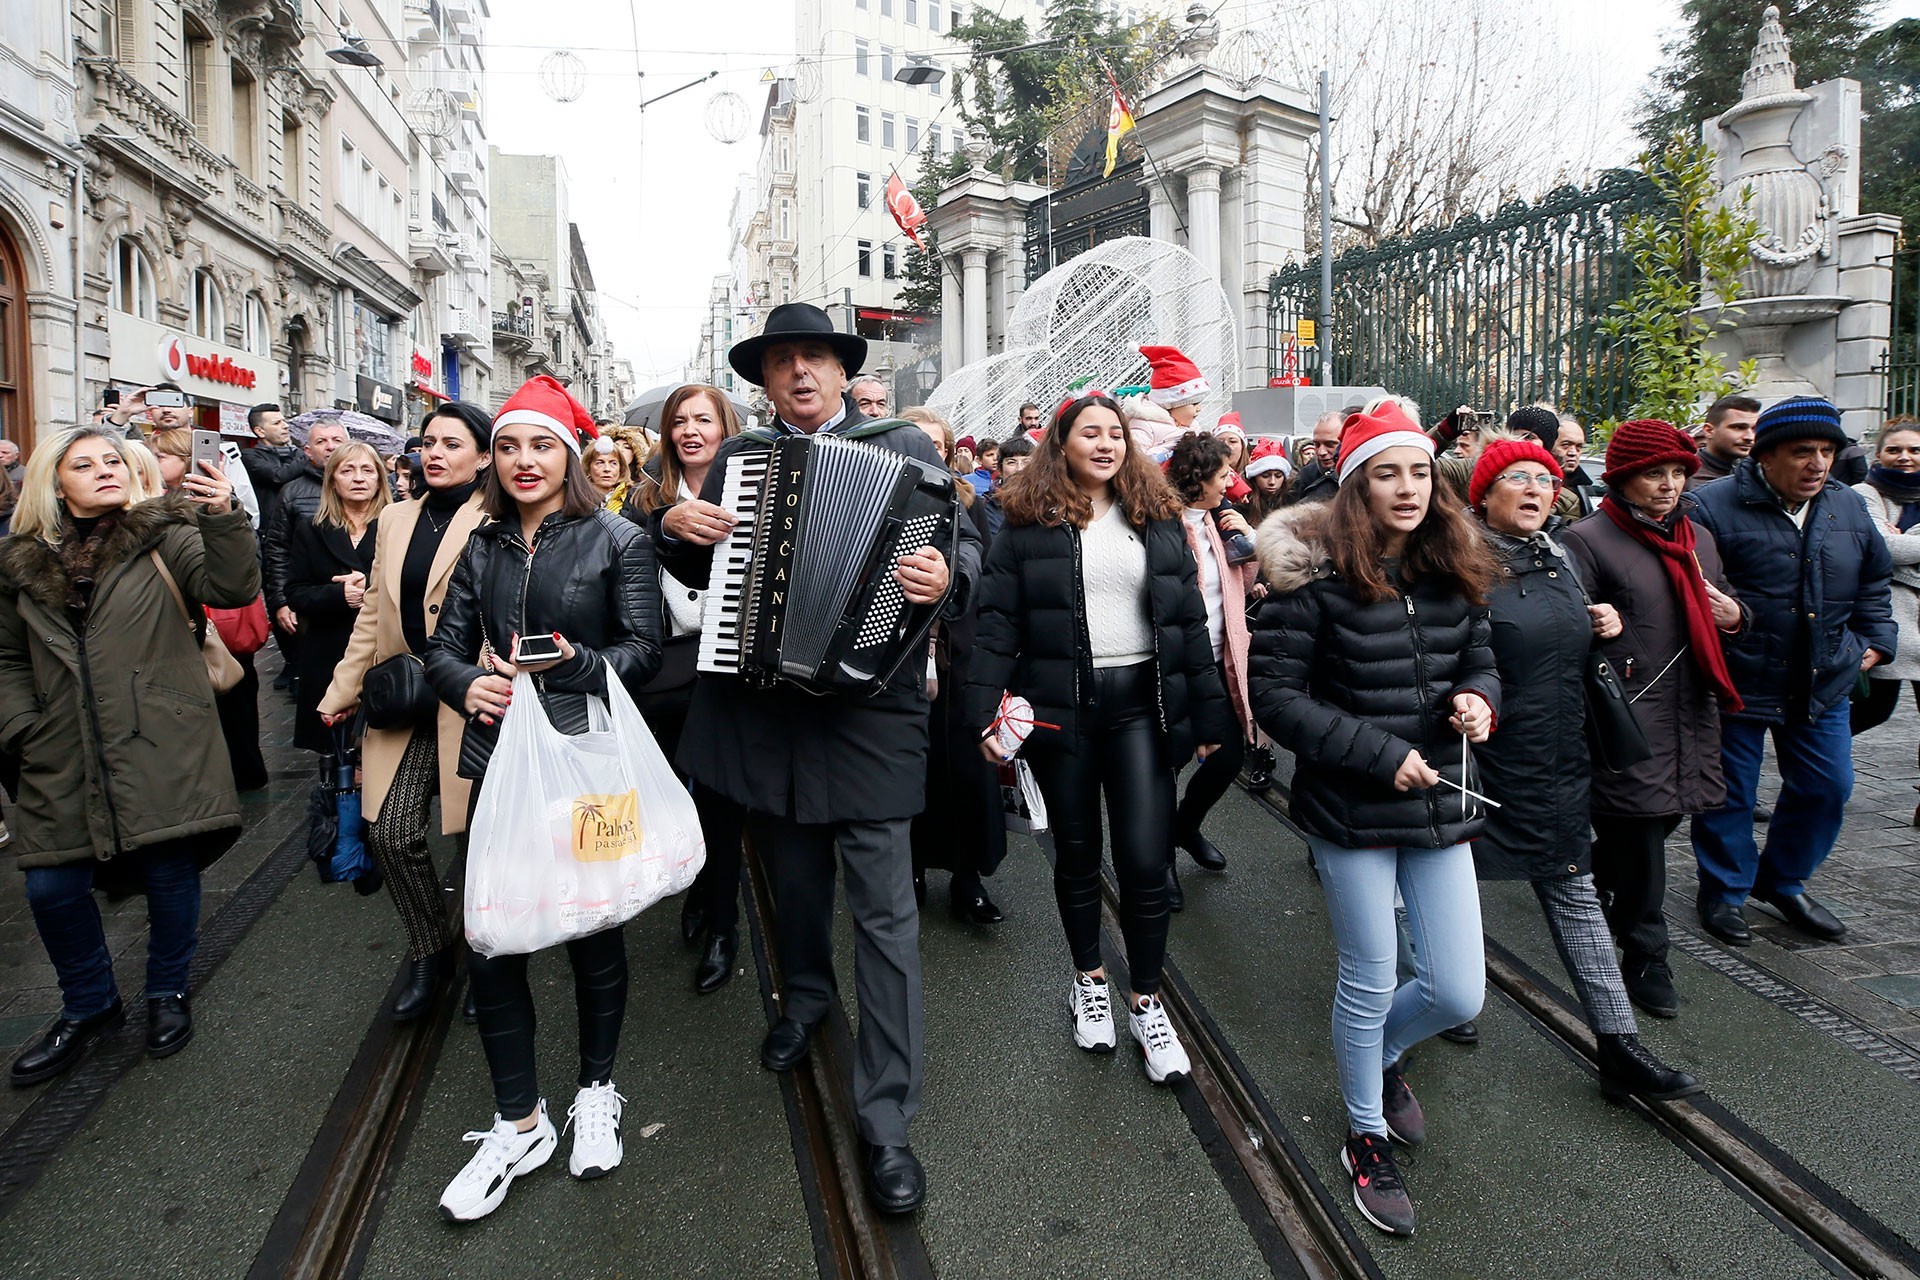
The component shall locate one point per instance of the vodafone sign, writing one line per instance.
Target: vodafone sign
(144, 353)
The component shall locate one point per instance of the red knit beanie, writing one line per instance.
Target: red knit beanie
(1500, 455)
(1648, 442)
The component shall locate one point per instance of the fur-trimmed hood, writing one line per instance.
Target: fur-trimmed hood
(30, 565)
(1293, 547)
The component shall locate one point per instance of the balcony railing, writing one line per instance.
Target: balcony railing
(505, 322)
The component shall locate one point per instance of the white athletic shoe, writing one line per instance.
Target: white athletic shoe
(1092, 1007)
(505, 1153)
(1159, 1046)
(595, 1120)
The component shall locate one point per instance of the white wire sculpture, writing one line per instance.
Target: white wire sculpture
(433, 113)
(563, 77)
(727, 118)
(1088, 318)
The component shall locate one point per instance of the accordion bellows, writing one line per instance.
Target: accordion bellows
(803, 589)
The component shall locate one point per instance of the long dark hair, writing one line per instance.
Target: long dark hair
(578, 496)
(474, 419)
(1044, 491)
(1444, 547)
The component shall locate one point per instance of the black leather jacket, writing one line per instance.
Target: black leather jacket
(297, 500)
(592, 578)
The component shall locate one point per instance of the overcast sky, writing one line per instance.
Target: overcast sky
(652, 191)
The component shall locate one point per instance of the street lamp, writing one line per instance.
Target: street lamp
(353, 52)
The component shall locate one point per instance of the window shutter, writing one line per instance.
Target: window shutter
(199, 64)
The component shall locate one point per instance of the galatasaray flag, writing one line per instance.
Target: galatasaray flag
(906, 211)
(1119, 121)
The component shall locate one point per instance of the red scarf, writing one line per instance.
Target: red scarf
(1677, 556)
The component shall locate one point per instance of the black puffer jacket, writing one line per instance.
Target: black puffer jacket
(1032, 637)
(1350, 687)
(592, 578)
(1536, 765)
(299, 498)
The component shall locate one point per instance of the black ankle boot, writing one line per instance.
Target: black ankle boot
(1626, 1067)
(416, 997)
(65, 1043)
(716, 962)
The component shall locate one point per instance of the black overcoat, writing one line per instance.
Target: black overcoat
(315, 554)
(1536, 764)
(788, 752)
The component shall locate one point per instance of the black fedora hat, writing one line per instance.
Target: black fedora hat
(795, 322)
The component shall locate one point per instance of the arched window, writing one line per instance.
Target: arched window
(132, 282)
(208, 318)
(259, 337)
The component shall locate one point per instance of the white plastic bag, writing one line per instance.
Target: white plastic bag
(1025, 808)
(574, 833)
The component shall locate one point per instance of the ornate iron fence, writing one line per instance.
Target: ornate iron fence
(1089, 210)
(1489, 312)
(1902, 362)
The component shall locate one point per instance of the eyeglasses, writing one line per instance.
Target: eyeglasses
(1527, 480)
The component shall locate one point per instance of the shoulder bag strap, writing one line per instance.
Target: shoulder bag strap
(173, 589)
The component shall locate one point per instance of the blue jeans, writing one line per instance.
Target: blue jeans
(1376, 1017)
(68, 918)
(1816, 778)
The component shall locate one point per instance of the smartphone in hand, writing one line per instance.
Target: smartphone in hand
(206, 448)
(535, 649)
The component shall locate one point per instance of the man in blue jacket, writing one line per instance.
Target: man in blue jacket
(1805, 559)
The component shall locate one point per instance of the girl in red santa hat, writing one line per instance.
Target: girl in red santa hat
(1371, 661)
(550, 561)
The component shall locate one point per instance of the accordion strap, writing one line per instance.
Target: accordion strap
(878, 426)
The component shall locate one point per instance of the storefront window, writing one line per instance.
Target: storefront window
(373, 343)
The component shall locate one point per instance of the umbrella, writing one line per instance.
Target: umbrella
(384, 437)
(645, 407)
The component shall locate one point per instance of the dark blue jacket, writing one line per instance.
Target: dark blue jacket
(1819, 597)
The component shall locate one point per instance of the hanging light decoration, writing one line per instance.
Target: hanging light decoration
(563, 77)
(727, 116)
(806, 80)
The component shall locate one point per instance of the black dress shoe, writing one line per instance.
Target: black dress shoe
(693, 922)
(414, 999)
(1649, 985)
(895, 1181)
(1465, 1033)
(1176, 896)
(1804, 914)
(169, 1025)
(786, 1045)
(1626, 1067)
(1724, 921)
(1205, 855)
(973, 906)
(716, 963)
(65, 1043)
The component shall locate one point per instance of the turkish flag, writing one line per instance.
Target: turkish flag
(905, 209)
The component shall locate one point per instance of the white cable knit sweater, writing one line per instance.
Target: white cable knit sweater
(1113, 581)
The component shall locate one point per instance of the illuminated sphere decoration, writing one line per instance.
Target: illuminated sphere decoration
(563, 76)
(727, 116)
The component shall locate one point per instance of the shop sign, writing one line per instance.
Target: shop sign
(422, 368)
(378, 399)
(143, 353)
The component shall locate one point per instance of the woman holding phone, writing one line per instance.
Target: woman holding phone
(553, 565)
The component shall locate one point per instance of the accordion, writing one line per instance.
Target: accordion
(802, 589)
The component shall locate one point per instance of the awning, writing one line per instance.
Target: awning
(426, 390)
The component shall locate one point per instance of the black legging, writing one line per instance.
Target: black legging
(503, 1002)
(1117, 749)
(1208, 783)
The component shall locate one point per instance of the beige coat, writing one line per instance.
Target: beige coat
(377, 636)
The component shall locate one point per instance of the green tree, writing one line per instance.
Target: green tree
(1707, 56)
(1889, 75)
(1687, 253)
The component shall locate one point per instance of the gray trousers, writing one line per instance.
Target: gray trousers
(1585, 945)
(878, 857)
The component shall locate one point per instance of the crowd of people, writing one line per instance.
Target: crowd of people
(1485, 662)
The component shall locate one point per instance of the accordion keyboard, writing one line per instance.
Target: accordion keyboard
(721, 619)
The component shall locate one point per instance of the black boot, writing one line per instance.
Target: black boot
(1626, 1067)
(1260, 766)
(1203, 851)
(1649, 985)
(716, 963)
(1176, 896)
(65, 1043)
(416, 997)
(169, 1025)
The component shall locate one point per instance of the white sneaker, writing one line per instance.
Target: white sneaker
(505, 1153)
(1092, 1007)
(1165, 1059)
(595, 1120)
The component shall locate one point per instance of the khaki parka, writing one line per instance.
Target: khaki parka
(119, 744)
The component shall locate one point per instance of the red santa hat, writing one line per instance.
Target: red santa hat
(543, 402)
(1229, 425)
(1365, 434)
(1176, 379)
(1268, 455)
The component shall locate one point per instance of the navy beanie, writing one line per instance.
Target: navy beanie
(1799, 418)
(1542, 424)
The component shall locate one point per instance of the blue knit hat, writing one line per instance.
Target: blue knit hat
(1799, 418)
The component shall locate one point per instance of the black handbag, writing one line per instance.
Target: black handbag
(1613, 729)
(395, 694)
